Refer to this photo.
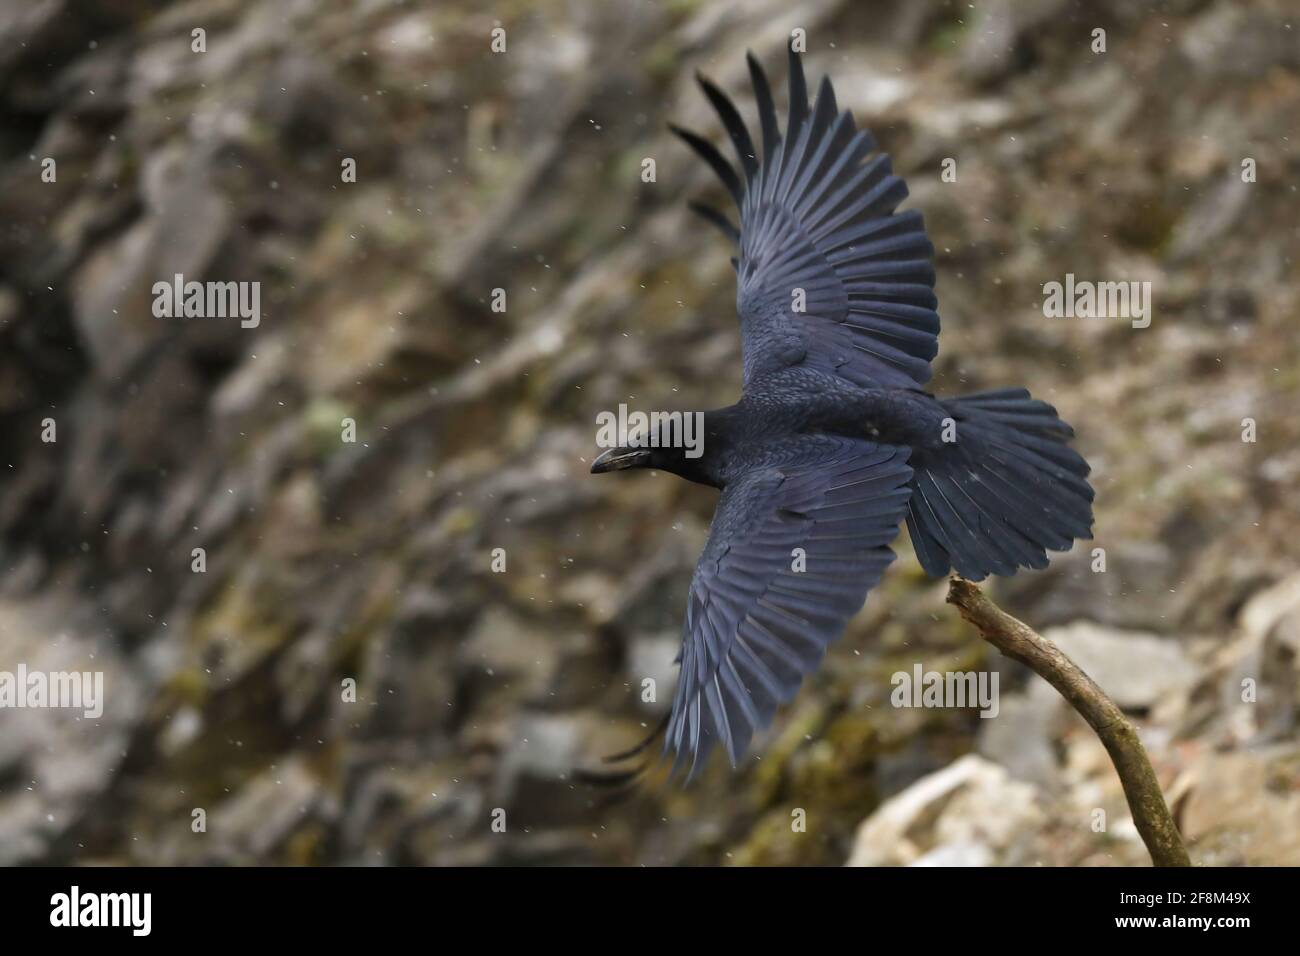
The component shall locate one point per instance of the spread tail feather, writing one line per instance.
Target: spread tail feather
(1001, 495)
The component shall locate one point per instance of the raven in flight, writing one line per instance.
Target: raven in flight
(834, 442)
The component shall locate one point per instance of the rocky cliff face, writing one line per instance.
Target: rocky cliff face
(326, 560)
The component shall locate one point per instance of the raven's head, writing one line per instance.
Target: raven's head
(665, 441)
(675, 461)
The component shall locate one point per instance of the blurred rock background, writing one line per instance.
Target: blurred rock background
(521, 170)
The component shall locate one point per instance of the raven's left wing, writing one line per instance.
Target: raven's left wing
(761, 612)
(829, 276)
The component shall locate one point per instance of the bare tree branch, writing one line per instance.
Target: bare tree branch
(1020, 642)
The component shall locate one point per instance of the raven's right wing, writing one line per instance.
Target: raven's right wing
(829, 275)
(761, 612)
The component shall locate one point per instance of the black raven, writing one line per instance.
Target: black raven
(834, 442)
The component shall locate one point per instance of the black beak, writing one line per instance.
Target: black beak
(616, 459)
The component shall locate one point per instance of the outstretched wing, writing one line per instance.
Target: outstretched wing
(829, 275)
(761, 614)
